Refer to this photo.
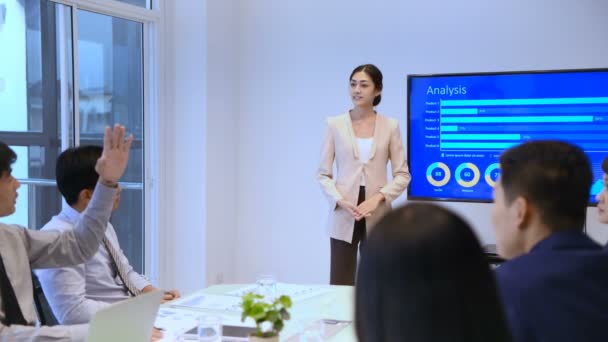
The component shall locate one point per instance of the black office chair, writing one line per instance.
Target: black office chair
(45, 313)
(492, 257)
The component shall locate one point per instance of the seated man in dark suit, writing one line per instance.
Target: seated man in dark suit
(602, 197)
(555, 285)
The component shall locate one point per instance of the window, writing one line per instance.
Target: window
(41, 69)
(35, 39)
(140, 3)
(111, 90)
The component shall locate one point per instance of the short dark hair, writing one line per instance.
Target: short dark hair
(375, 74)
(75, 171)
(7, 158)
(423, 275)
(554, 176)
(605, 165)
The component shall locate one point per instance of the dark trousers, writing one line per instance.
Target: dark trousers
(344, 255)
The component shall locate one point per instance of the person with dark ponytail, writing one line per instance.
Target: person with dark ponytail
(424, 277)
(361, 142)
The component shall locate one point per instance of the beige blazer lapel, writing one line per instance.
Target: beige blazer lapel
(377, 124)
(353, 141)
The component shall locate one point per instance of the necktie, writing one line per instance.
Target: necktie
(10, 305)
(120, 267)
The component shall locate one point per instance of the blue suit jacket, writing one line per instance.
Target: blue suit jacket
(558, 291)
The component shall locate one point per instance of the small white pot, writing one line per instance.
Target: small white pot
(263, 339)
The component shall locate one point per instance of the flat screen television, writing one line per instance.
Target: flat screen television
(459, 124)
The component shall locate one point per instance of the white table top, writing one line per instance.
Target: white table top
(336, 304)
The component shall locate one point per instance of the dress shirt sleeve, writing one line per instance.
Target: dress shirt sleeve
(326, 168)
(73, 246)
(401, 174)
(65, 290)
(58, 333)
(137, 279)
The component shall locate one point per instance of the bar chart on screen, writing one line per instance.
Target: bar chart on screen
(460, 124)
(481, 124)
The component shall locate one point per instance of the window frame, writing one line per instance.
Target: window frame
(150, 20)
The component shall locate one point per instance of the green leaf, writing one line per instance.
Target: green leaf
(272, 316)
(278, 326)
(257, 312)
(285, 301)
(284, 314)
(256, 307)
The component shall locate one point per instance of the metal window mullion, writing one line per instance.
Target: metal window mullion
(64, 66)
(115, 9)
(150, 187)
(51, 182)
(76, 75)
(25, 138)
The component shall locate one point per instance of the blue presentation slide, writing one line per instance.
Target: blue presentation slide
(460, 124)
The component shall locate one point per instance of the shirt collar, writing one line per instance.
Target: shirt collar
(69, 214)
(565, 240)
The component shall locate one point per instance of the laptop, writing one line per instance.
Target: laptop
(130, 320)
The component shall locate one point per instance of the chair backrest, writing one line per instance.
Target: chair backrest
(45, 313)
(492, 257)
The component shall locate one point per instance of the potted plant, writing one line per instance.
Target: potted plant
(268, 316)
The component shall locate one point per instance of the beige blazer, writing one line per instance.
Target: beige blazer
(340, 145)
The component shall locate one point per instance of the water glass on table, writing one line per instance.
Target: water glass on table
(313, 332)
(209, 328)
(267, 286)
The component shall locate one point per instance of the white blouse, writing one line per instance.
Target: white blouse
(365, 149)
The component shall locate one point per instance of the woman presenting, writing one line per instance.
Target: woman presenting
(360, 142)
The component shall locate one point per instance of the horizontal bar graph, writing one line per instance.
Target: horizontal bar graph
(449, 128)
(498, 124)
(524, 102)
(567, 137)
(598, 147)
(480, 137)
(537, 110)
(448, 111)
(510, 119)
(525, 128)
(478, 145)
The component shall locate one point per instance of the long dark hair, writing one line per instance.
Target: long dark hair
(375, 74)
(423, 277)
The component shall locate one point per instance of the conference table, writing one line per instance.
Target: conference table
(314, 306)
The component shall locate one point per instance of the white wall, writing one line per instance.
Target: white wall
(294, 58)
(182, 159)
(222, 138)
(275, 69)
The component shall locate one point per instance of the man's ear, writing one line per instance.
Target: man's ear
(522, 212)
(85, 195)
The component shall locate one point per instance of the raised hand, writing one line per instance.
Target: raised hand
(115, 156)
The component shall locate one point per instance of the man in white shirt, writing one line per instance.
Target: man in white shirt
(75, 293)
(23, 249)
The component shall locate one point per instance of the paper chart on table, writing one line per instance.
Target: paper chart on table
(210, 302)
(296, 292)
